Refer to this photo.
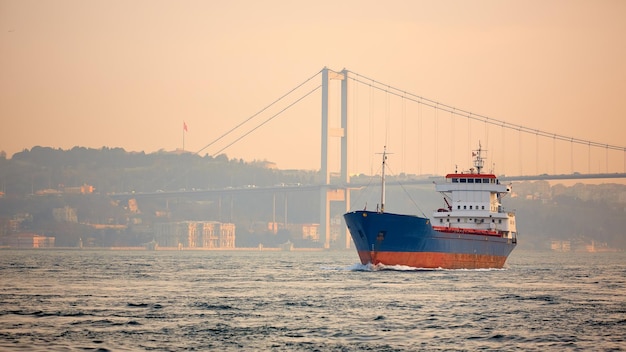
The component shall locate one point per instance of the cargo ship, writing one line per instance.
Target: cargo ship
(472, 230)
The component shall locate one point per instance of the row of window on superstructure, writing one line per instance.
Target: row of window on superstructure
(471, 207)
(470, 220)
(474, 180)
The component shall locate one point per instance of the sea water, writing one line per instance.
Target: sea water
(84, 300)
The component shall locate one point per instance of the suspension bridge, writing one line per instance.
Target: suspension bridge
(359, 115)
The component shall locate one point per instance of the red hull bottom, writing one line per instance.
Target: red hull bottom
(433, 260)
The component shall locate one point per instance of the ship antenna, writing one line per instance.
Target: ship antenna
(478, 160)
(382, 193)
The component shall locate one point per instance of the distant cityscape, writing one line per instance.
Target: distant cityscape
(170, 235)
(215, 235)
(61, 199)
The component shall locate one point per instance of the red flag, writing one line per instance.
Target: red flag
(184, 126)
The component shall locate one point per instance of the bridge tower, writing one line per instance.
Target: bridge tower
(328, 192)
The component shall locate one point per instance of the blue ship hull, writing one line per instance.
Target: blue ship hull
(395, 239)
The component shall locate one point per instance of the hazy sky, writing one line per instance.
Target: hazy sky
(128, 73)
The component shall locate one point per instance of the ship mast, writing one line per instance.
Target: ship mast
(478, 159)
(382, 193)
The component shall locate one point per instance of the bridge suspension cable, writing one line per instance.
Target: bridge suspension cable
(262, 123)
(267, 120)
(477, 117)
(258, 113)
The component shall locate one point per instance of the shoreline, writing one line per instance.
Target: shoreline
(163, 249)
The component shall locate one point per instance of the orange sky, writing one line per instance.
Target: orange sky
(128, 73)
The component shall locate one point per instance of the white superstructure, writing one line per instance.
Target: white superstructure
(473, 204)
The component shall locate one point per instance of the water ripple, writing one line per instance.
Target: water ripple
(301, 301)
